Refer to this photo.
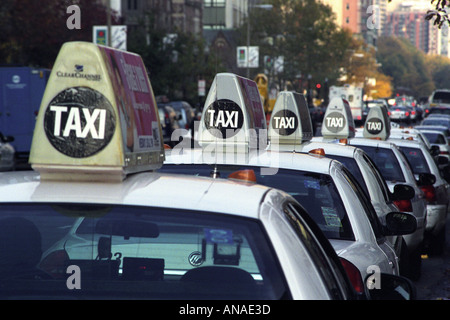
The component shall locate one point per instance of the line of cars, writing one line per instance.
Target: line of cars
(99, 216)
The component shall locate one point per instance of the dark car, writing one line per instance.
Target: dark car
(169, 123)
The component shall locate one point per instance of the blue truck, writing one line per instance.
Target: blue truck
(22, 89)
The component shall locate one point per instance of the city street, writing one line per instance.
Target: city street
(434, 283)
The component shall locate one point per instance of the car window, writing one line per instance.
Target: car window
(316, 192)
(352, 166)
(386, 162)
(378, 177)
(135, 252)
(434, 137)
(441, 96)
(416, 160)
(367, 205)
(329, 269)
(435, 122)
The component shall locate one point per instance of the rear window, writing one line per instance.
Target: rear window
(352, 166)
(436, 138)
(386, 162)
(134, 252)
(435, 122)
(441, 96)
(416, 160)
(316, 192)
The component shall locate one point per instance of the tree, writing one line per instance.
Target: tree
(305, 34)
(406, 65)
(32, 32)
(175, 61)
(362, 69)
(439, 67)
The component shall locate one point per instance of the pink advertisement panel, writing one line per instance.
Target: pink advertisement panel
(135, 100)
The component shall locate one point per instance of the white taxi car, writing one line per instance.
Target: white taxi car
(323, 186)
(436, 191)
(395, 169)
(92, 220)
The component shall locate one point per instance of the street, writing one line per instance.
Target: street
(434, 283)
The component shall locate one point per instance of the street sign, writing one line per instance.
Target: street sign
(118, 39)
(247, 57)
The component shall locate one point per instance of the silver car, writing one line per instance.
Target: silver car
(436, 192)
(439, 139)
(372, 182)
(160, 237)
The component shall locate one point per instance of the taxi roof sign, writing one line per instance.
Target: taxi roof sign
(98, 118)
(377, 124)
(233, 115)
(290, 122)
(338, 120)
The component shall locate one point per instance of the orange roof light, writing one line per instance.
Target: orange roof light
(247, 175)
(167, 147)
(318, 152)
(343, 141)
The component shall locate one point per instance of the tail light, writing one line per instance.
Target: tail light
(406, 113)
(55, 263)
(443, 152)
(354, 275)
(429, 192)
(404, 205)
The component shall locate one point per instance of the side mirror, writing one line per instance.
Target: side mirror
(434, 150)
(403, 192)
(426, 179)
(400, 223)
(383, 286)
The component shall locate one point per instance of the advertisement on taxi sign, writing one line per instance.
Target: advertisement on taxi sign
(135, 101)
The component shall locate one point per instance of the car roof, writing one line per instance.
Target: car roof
(140, 189)
(269, 159)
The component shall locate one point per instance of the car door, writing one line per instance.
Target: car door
(385, 246)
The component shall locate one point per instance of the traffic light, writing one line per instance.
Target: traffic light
(318, 87)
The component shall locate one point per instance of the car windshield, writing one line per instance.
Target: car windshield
(435, 137)
(134, 252)
(441, 96)
(436, 122)
(439, 111)
(416, 160)
(386, 162)
(316, 192)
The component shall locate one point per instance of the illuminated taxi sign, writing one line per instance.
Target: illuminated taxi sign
(338, 120)
(233, 115)
(377, 124)
(290, 122)
(98, 118)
